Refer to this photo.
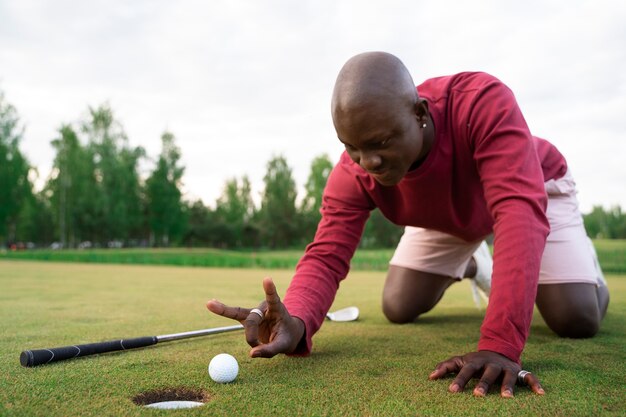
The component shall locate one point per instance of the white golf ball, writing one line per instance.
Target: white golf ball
(223, 368)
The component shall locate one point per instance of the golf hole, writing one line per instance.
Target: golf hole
(172, 398)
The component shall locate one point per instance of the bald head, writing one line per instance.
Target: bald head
(385, 127)
(372, 77)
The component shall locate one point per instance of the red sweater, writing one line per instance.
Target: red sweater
(484, 173)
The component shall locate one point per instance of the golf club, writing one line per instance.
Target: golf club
(345, 314)
(30, 358)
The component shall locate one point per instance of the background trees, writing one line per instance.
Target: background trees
(115, 168)
(96, 196)
(278, 218)
(166, 214)
(15, 188)
(235, 213)
(312, 202)
(606, 224)
(73, 190)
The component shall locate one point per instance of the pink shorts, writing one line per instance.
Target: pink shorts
(569, 255)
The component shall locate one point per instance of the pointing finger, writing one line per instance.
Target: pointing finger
(235, 313)
(271, 296)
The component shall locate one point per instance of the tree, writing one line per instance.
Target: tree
(278, 218)
(14, 168)
(131, 193)
(595, 223)
(166, 214)
(73, 189)
(235, 210)
(380, 232)
(312, 202)
(607, 224)
(117, 195)
(199, 226)
(35, 221)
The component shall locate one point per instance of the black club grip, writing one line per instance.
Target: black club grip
(30, 358)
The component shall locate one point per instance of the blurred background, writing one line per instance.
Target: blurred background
(191, 123)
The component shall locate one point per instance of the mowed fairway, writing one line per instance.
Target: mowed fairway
(364, 368)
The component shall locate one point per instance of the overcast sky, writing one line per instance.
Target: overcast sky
(240, 81)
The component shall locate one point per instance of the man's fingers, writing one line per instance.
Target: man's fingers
(271, 296)
(508, 384)
(465, 374)
(269, 350)
(533, 382)
(251, 325)
(492, 372)
(235, 313)
(444, 368)
(490, 367)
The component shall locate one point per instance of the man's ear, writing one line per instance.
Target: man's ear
(421, 109)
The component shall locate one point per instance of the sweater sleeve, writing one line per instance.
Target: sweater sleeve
(513, 185)
(326, 261)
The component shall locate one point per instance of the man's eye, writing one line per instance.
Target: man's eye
(384, 142)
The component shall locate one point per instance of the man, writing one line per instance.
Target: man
(453, 160)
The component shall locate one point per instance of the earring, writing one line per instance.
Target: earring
(424, 126)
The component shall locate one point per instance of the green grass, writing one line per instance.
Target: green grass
(365, 368)
(611, 253)
(363, 260)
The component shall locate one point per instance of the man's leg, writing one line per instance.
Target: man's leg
(572, 295)
(424, 265)
(573, 309)
(409, 293)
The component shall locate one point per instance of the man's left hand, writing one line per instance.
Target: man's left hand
(490, 367)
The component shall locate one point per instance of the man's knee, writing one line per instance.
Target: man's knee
(408, 293)
(577, 325)
(570, 310)
(400, 313)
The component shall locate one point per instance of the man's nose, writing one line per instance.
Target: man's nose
(369, 161)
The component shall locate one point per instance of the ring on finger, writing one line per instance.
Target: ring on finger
(521, 375)
(257, 311)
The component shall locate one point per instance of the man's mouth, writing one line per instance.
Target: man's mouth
(381, 172)
(378, 172)
(381, 176)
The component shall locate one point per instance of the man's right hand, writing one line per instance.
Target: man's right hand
(276, 332)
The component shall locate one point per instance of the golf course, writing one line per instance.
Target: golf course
(363, 368)
(312, 208)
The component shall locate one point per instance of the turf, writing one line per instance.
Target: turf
(365, 368)
(377, 259)
(611, 253)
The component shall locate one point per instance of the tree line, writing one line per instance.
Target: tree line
(94, 196)
(604, 223)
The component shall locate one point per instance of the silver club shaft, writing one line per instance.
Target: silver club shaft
(198, 333)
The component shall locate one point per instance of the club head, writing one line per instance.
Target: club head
(345, 314)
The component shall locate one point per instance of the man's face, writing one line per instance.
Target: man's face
(383, 138)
